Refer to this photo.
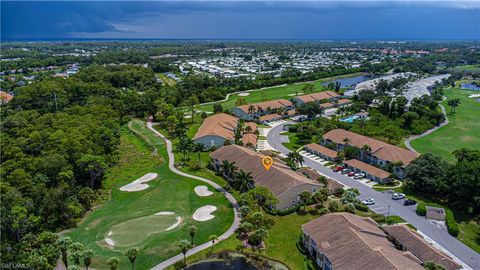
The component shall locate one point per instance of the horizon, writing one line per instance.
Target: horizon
(241, 20)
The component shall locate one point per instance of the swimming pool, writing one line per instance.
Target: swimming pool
(349, 119)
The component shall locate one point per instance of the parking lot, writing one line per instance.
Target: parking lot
(383, 209)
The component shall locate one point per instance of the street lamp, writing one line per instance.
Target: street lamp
(388, 213)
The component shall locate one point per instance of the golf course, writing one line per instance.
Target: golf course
(462, 131)
(154, 219)
(274, 92)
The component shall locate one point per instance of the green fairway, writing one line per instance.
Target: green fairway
(462, 131)
(275, 92)
(134, 231)
(130, 216)
(469, 68)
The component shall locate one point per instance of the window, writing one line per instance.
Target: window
(314, 190)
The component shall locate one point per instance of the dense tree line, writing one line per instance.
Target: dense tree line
(59, 136)
(456, 184)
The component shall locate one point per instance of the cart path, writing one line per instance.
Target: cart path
(233, 201)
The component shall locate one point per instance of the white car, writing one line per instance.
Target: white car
(398, 196)
(359, 176)
(368, 201)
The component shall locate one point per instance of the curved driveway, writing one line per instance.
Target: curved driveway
(233, 201)
(384, 203)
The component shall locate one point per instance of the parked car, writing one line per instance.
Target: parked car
(368, 201)
(398, 196)
(345, 171)
(409, 202)
(338, 168)
(351, 174)
(359, 175)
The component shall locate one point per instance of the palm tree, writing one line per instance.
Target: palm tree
(77, 252)
(453, 103)
(322, 179)
(64, 243)
(228, 168)
(320, 197)
(184, 247)
(132, 256)
(243, 181)
(365, 149)
(346, 141)
(191, 231)
(87, 258)
(198, 147)
(113, 263)
(212, 239)
(304, 197)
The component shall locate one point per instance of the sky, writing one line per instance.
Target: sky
(313, 20)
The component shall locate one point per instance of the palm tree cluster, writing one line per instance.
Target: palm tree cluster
(294, 159)
(77, 252)
(241, 181)
(254, 227)
(453, 103)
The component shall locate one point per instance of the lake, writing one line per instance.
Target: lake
(349, 82)
(237, 263)
(469, 86)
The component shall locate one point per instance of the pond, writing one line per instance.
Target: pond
(238, 263)
(469, 86)
(349, 82)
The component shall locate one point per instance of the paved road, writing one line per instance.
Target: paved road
(233, 201)
(411, 138)
(383, 200)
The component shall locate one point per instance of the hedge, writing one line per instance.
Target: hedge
(452, 225)
(421, 210)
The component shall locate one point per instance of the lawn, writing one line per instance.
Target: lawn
(294, 142)
(276, 92)
(169, 192)
(462, 131)
(468, 68)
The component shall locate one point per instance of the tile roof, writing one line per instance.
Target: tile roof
(332, 185)
(272, 104)
(367, 168)
(322, 149)
(5, 97)
(222, 125)
(354, 242)
(249, 138)
(269, 117)
(380, 149)
(278, 179)
(419, 247)
(317, 96)
(252, 125)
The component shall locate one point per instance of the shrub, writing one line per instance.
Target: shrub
(421, 210)
(361, 207)
(350, 208)
(452, 225)
(333, 206)
(338, 192)
(283, 212)
(323, 211)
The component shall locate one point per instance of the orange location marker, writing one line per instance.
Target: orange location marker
(267, 162)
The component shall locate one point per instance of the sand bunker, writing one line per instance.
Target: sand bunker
(138, 184)
(244, 94)
(291, 95)
(204, 213)
(202, 191)
(135, 231)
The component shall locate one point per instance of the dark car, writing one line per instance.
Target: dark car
(408, 202)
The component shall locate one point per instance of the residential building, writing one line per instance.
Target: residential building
(408, 240)
(216, 129)
(321, 151)
(249, 140)
(254, 111)
(321, 96)
(332, 185)
(284, 183)
(371, 172)
(381, 154)
(343, 241)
